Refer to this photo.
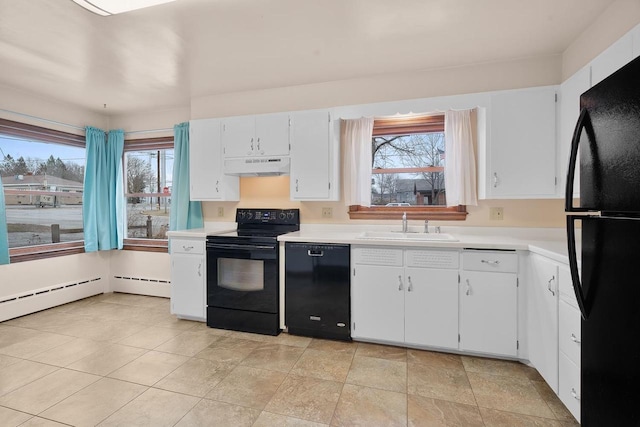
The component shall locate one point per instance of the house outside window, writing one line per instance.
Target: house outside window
(148, 166)
(42, 174)
(408, 156)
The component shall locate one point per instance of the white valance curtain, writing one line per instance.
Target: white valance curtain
(356, 135)
(460, 160)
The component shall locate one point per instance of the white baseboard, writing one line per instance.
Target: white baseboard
(141, 286)
(24, 303)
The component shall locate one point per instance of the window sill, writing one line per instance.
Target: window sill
(146, 245)
(31, 253)
(457, 213)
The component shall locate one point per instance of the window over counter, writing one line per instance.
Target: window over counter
(408, 171)
(42, 172)
(148, 166)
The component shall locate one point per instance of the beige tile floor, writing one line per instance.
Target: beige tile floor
(123, 360)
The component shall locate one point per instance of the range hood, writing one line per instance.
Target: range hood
(257, 166)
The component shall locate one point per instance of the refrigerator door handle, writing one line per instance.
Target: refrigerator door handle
(584, 122)
(573, 263)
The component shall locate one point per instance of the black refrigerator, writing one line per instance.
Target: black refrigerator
(607, 286)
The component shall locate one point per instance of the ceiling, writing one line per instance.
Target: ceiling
(163, 56)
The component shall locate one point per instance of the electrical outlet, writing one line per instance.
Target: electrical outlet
(327, 212)
(220, 211)
(496, 214)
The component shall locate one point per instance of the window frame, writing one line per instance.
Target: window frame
(409, 125)
(146, 144)
(49, 136)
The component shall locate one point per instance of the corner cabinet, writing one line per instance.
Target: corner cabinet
(188, 278)
(262, 135)
(314, 157)
(207, 180)
(521, 145)
(489, 303)
(405, 296)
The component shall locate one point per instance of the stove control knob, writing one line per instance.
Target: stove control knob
(282, 215)
(242, 214)
(249, 215)
(290, 215)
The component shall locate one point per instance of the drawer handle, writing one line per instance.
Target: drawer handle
(400, 285)
(468, 292)
(495, 262)
(187, 248)
(200, 270)
(410, 288)
(574, 394)
(549, 285)
(575, 339)
(495, 179)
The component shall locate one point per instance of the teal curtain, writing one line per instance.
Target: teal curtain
(185, 214)
(103, 196)
(4, 238)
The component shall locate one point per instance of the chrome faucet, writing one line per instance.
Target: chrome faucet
(404, 222)
(426, 226)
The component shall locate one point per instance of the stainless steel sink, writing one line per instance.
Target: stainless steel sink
(393, 235)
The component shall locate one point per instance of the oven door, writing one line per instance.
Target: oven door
(243, 276)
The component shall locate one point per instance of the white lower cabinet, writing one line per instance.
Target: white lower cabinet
(542, 317)
(569, 342)
(489, 303)
(405, 296)
(188, 278)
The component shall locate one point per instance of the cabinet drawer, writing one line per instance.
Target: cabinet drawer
(187, 246)
(378, 256)
(432, 259)
(569, 385)
(569, 331)
(500, 262)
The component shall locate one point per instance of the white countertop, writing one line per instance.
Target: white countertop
(549, 242)
(208, 229)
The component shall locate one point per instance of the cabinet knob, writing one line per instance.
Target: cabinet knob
(400, 283)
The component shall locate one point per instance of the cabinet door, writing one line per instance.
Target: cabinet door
(431, 307)
(207, 182)
(488, 313)
(569, 111)
(272, 135)
(188, 286)
(310, 156)
(614, 57)
(522, 144)
(378, 303)
(238, 136)
(542, 324)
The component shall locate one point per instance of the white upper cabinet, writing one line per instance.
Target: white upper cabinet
(521, 145)
(314, 157)
(207, 181)
(569, 110)
(614, 57)
(263, 135)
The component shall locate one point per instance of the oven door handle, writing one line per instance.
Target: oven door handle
(241, 247)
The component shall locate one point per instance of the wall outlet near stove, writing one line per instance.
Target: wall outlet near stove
(220, 210)
(327, 212)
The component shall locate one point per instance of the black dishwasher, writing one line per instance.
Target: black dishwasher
(318, 290)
